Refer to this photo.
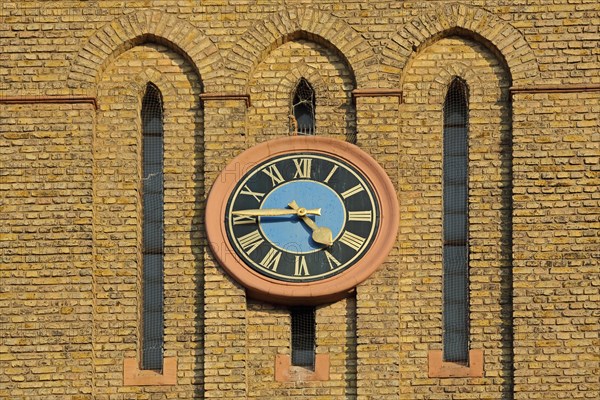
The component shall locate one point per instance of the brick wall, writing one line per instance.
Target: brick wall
(275, 79)
(46, 277)
(117, 217)
(556, 274)
(420, 183)
(70, 183)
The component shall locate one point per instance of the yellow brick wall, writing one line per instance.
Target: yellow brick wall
(46, 277)
(117, 216)
(377, 306)
(70, 184)
(274, 81)
(420, 183)
(556, 225)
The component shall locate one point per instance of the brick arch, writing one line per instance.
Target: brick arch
(287, 85)
(145, 26)
(154, 76)
(302, 70)
(506, 42)
(439, 85)
(301, 23)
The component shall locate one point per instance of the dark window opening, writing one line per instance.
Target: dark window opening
(303, 336)
(152, 230)
(303, 108)
(455, 224)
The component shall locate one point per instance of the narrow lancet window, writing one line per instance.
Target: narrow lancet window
(303, 336)
(303, 108)
(455, 222)
(152, 340)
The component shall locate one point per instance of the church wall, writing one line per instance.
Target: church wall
(555, 231)
(72, 78)
(46, 278)
(420, 262)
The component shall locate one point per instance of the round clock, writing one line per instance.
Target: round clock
(302, 219)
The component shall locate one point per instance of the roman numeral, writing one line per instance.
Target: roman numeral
(244, 220)
(302, 168)
(335, 167)
(352, 240)
(352, 191)
(365, 216)
(250, 241)
(332, 260)
(246, 190)
(271, 260)
(300, 267)
(274, 174)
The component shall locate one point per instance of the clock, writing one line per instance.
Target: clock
(301, 219)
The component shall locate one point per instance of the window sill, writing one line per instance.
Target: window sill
(286, 372)
(134, 376)
(443, 369)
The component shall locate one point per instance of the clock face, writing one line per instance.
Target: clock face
(301, 220)
(302, 216)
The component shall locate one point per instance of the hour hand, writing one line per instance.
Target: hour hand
(276, 212)
(320, 234)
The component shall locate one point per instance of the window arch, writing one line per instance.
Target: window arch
(303, 108)
(455, 224)
(152, 335)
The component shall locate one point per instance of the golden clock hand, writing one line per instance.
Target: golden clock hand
(275, 212)
(321, 234)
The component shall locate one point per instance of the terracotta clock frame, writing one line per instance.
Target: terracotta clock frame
(305, 293)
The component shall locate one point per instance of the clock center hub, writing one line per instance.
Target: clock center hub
(290, 233)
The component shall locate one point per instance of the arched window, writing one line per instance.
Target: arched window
(455, 222)
(303, 108)
(152, 340)
(303, 318)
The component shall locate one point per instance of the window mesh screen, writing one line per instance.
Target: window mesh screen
(455, 220)
(303, 107)
(303, 336)
(152, 229)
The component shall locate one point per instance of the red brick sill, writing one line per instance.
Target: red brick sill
(286, 372)
(134, 376)
(442, 369)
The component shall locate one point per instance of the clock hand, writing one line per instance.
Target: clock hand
(320, 234)
(275, 212)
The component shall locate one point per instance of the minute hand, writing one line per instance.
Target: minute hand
(275, 212)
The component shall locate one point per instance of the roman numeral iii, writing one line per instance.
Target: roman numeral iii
(365, 216)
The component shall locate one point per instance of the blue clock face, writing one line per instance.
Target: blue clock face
(302, 217)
